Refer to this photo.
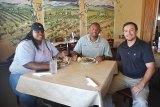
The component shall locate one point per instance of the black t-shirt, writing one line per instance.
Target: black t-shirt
(134, 58)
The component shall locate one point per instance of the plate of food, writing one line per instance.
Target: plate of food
(86, 60)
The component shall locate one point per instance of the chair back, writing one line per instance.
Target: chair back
(59, 39)
(111, 42)
(61, 47)
(71, 47)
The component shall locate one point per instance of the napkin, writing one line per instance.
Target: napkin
(90, 82)
(39, 74)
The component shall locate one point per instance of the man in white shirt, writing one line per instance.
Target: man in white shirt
(92, 45)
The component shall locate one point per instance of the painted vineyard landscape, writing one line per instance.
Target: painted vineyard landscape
(103, 13)
(15, 20)
(61, 18)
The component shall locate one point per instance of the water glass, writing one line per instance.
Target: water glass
(53, 66)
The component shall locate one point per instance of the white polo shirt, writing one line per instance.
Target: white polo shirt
(87, 48)
(26, 52)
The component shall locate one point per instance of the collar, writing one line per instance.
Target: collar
(137, 42)
(89, 40)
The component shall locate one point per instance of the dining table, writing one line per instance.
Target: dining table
(76, 84)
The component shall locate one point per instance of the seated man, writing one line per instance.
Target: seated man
(92, 45)
(136, 64)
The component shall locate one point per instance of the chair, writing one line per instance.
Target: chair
(17, 99)
(61, 47)
(71, 47)
(76, 38)
(59, 39)
(114, 52)
(126, 93)
(111, 42)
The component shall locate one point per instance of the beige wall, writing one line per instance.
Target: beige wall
(127, 10)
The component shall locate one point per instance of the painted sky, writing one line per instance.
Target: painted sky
(65, 0)
(90, 2)
(55, 3)
(27, 1)
(99, 2)
(16, 1)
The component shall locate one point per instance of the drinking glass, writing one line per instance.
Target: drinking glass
(53, 66)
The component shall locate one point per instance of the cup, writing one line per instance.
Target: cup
(53, 66)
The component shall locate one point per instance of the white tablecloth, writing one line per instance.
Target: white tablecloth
(69, 85)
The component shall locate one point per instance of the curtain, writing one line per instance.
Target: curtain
(149, 19)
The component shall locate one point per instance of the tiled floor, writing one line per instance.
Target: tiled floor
(8, 99)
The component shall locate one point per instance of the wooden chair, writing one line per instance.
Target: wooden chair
(59, 39)
(61, 47)
(17, 99)
(76, 38)
(111, 42)
(126, 93)
(114, 52)
(71, 47)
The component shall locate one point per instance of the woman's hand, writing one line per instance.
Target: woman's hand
(62, 54)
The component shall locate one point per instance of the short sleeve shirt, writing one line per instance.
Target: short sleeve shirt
(87, 48)
(26, 52)
(134, 58)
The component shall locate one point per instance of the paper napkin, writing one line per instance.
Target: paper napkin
(90, 82)
(39, 74)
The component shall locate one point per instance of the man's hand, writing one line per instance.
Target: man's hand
(137, 88)
(74, 56)
(99, 58)
(150, 71)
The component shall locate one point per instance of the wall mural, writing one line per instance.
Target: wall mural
(15, 19)
(101, 11)
(60, 17)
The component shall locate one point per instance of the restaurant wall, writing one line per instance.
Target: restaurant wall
(127, 10)
(60, 19)
(124, 11)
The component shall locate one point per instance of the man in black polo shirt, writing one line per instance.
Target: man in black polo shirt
(136, 63)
